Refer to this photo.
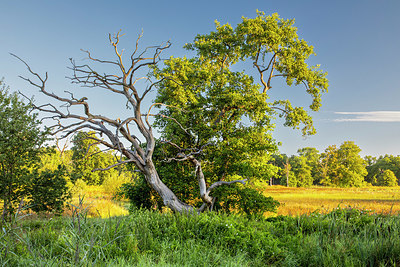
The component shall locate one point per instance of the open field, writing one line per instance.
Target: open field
(296, 201)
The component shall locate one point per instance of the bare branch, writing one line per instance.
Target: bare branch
(69, 120)
(59, 148)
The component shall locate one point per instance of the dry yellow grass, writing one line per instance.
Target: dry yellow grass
(296, 201)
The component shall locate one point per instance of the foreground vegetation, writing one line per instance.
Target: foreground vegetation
(344, 237)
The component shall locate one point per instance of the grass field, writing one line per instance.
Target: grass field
(296, 201)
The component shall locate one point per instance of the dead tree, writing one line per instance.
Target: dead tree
(120, 135)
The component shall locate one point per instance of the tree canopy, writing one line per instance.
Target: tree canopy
(343, 166)
(226, 114)
(378, 166)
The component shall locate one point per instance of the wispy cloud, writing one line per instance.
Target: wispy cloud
(370, 116)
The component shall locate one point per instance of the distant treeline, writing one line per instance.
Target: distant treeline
(336, 166)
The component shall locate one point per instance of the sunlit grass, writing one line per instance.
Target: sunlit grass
(296, 201)
(99, 203)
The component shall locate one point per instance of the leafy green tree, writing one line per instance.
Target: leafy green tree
(301, 172)
(52, 158)
(246, 201)
(48, 190)
(294, 171)
(282, 177)
(224, 113)
(386, 178)
(20, 142)
(313, 160)
(343, 167)
(376, 167)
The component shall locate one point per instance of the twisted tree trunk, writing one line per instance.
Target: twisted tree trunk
(169, 198)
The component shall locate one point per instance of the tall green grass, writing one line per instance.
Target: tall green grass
(344, 237)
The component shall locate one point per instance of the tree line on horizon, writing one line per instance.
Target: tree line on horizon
(336, 166)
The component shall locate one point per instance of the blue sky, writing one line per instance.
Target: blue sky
(357, 42)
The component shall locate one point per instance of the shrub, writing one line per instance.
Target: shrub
(140, 194)
(240, 199)
(79, 187)
(49, 191)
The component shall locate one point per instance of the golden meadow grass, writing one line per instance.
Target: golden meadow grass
(296, 201)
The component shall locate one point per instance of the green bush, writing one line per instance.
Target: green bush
(140, 195)
(245, 200)
(48, 190)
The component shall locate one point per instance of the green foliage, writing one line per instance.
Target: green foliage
(386, 178)
(48, 190)
(295, 171)
(115, 180)
(281, 161)
(87, 157)
(243, 200)
(344, 237)
(140, 195)
(383, 163)
(313, 160)
(224, 113)
(343, 167)
(178, 176)
(52, 158)
(301, 172)
(268, 42)
(20, 140)
(89, 162)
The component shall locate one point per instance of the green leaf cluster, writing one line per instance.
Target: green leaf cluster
(49, 190)
(295, 171)
(271, 44)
